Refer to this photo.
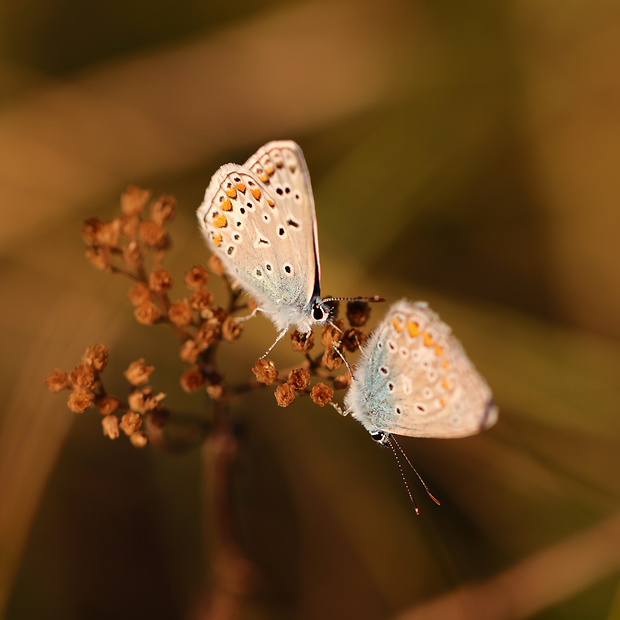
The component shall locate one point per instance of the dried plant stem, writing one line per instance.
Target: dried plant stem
(231, 576)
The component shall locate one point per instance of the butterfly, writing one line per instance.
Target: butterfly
(259, 219)
(415, 379)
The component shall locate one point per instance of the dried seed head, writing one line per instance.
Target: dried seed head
(353, 339)
(197, 277)
(107, 404)
(332, 333)
(216, 266)
(285, 395)
(207, 335)
(132, 255)
(154, 235)
(138, 439)
(109, 423)
(99, 257)
(302, 342)
(133, 200)
(130, 226)
(358, 313)
(147, 313)
(231, 329)
(299, 379)
(57, 381)
(109, 233)
(322, 394)
(139, 293)
(265, 371)
(189, 351)
(82, 376)
(180, 313)
(144, 401)
(96, 356)
(215, 392)
(138, 372)
(160, 280)
(163, 210)
(130, 422)
(342, 381)
(201, 300)
(192, 380)
(79, 400)
(90, 231)
(331, 358)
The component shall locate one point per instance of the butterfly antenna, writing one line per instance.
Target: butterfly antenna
(373, 299)
(416, 471)
(343, 358)
(402, 473)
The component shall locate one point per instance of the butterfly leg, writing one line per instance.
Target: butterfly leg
(252, 314)
(280, 336)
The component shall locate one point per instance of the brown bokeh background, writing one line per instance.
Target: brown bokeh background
(466, 153)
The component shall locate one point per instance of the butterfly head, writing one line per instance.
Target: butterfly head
(381, 437)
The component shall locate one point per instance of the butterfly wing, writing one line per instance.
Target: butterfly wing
(259, 219)
(281, 166)
(417, 380)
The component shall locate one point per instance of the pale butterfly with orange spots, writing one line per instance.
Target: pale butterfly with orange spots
(415, 379)
(259, 219)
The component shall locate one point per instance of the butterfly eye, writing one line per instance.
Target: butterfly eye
(318, 314)
(379, 436)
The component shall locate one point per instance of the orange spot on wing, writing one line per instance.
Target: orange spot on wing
(217, 239)
(226, 205)
(428, 339)
(446, 383)
(270, 202)
(398, 326)
(231, 191)
(442, 400)
(445, 365)
(219, 220)
(256, 193)
(438, 350)
(240, 187)
(263, 176)
(269, 169)
(413, 328)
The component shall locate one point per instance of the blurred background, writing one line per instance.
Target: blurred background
(465, 153)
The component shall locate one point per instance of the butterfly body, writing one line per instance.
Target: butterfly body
(259, 219)
(415, 379)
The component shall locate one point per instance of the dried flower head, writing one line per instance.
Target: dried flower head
(197, 277)
(265, 371)
(133, 200)
(201, 300)
(231, 329)
(138, 439)
(353, 339)
(163, 209)
(216, 266)
(130, 422)
(215, 392)
(189, 351)
(285, 395)
(192, 380)
(322, 394)
(358, 313)
(80, 400)
(299, 379)
(332, 358)
(160, 280)
(132, 255)
(341, 382)
(180, 313)
(144, 401)
(130, 226)
(96, 356)
(139, 293)
(332, 332)
(138, 372)
(109, 233)
(82, 376)
(57, 381)
(90, 231)
(100, 257)
(154, 235)
(207, 335)
(302, 342)
(147, 313)
(107, 404)
(109, 423)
